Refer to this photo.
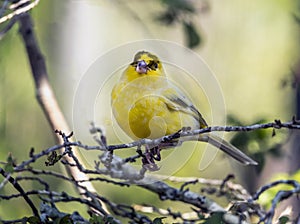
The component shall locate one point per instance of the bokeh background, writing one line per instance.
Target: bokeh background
(252, 47)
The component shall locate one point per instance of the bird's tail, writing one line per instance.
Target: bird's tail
(227, 148)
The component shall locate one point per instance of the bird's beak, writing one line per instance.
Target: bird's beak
(141, 67)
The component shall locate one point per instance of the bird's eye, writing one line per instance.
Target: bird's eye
(153, 65)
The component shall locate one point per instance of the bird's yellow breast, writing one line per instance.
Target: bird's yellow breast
(142, 111)
(150, 117)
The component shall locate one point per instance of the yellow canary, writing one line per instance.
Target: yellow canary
(147, 105)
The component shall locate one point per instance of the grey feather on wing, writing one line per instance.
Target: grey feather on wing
(182, 104)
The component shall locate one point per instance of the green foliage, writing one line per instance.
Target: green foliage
(257, 143)
(158, 220)
(192, 37)
(200, 215)
(180, 5)
(9, 166)
(181, 11)
(265, 199)
(60, 220)
(216, 217)
(283, 220)
(168, 17)
(296, 18)
(64, 220)
(33, 220)
(95, 219)
(175, 9)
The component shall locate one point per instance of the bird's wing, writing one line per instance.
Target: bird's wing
(176, 100)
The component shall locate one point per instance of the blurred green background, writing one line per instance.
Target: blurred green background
(251, 47)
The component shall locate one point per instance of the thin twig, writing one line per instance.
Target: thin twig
(18, 187)
(280, 196)
(8, 26)
(19, 11)
(3, 7)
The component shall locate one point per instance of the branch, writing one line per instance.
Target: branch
(154, 142)
(115, 167)
(44, 92)
(8, 26)
(185, 133)
(280, 196)
(18, 9)
(153, 146)
(236, 189)
(20, 189)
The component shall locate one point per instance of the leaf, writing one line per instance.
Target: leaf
(158, 220)
(168, 17)
(33, 220)
(276, 151)
(297, 18)
(192, 37)
(283, 219)
(96, 219)
(52, 159)
(64, 220)
(216, 217)
(233, 120)
(181, 5)
(9, 166)
(200, 216)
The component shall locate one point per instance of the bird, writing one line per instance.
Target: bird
(146, 104)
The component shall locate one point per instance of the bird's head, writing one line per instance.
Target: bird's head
(145, 64)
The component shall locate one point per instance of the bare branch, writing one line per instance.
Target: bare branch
(18, 9)
(115, 167)
(280, 196)
(45, 93)
(239, 191)
(8, 26)
(182, 135)
(18, 187)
